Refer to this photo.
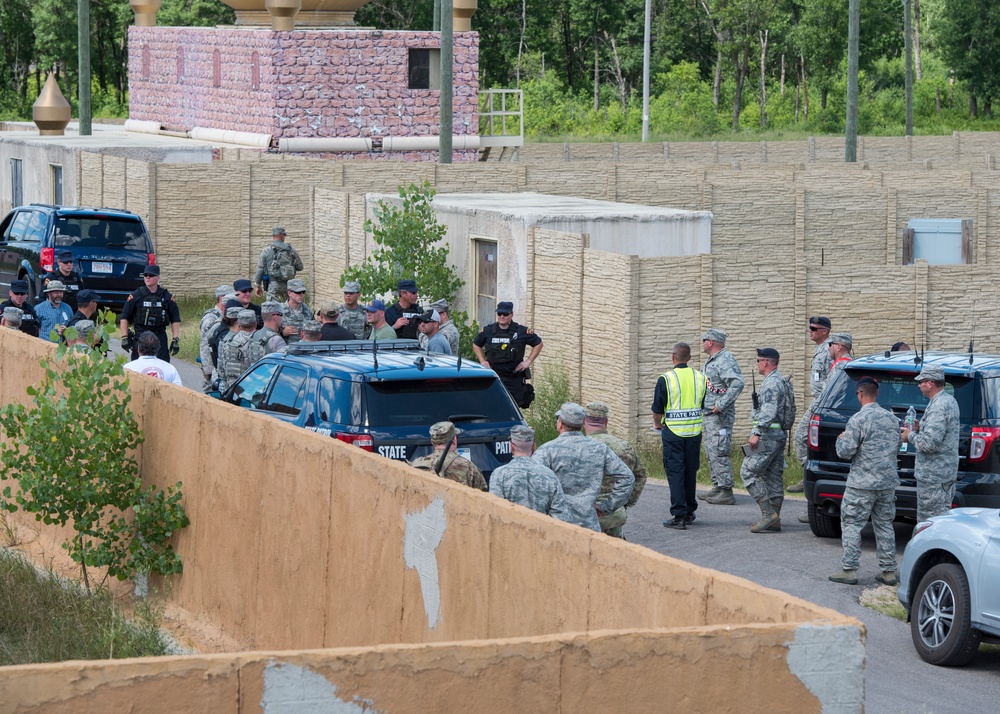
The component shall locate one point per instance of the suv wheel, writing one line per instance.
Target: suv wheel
(821, 524)
(940, 625)
(32, 291)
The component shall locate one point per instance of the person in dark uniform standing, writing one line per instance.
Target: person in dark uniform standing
(501, 345)
(65, 274)
(86, 307)
(244, 293)
(150, 309)
(19, 299)
(402, 315)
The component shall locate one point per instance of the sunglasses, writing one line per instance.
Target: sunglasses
(813, 328)
(503, 314)
(14, 293)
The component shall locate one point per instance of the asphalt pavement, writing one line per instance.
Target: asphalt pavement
(798, 563)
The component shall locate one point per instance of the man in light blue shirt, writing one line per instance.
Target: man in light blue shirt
(430, 323)
(53, 313)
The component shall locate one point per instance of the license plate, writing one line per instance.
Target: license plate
(465, 453)
(100, 267)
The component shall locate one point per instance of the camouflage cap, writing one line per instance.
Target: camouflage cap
(246, 317)
(296, 285)
(440, 305)
(443, 432)
(715, 335)
(934, 374)
(571, 414)
(12, 313)
(311, 327)
(233, 312)
(84, 328)
(842, 338)
(352, 286)
(328, 309)
(523, 435)
(270, 307)
(278, 231)
(596, 410)
(222, 291)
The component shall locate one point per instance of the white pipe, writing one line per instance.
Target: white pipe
(401, 143)
(316, 144)
(225, 136)
(425, 143)
(142, 127)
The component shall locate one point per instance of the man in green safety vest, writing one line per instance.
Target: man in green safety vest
(677, 414)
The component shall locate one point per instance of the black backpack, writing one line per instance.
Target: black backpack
(213, 341)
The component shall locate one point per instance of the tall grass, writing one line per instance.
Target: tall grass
(552, 389)
(652, 457)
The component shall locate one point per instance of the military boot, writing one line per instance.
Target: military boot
(796, 487)
(847, 577)
(710, 494)
(776, 506)
(768, 518)
(724, 497)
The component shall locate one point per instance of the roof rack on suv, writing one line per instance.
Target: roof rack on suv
(300, 348)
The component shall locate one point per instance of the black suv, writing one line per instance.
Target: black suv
(383, 400)
(974, 381)
(110, 248)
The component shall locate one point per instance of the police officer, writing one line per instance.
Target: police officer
(86, 307)
(500, 346)
(402, 315)
(64, 273)
(150, 309)
(19, 299)
(244, 293)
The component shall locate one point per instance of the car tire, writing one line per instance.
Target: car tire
(821, 524)
(32, 290)
(940, 622)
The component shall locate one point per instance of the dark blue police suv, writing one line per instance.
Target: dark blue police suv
(383, 399)
(974, 381)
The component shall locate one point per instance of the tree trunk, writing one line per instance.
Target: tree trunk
(916, 39)
(987, 108)
(937, 102)
(973, 107)
(805, 90)
(742, 68)
(763, 77)
(782, 84)
(619, 77)
(823, 93)
(717, 82)
(597, 76)
(520, 42)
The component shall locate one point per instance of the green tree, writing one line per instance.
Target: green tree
(72, 456)
(17, 51)
(969, 34)
(194, 13)
(684, 103)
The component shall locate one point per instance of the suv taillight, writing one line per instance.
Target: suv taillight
(982, 440)
(150, 258)
(48, 259)
(814, 432)
(362, 441)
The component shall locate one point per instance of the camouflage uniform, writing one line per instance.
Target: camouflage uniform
(277, 287)
(295, 318)
(234, 357)
(455, 469)
(761, 471)
(936, 463)
(210, 321)
(353, 320)
(725, 383)
(871, 441)
(450, 333)
(611, 523)
(263, 342)
(581, 465)
(818, 376)
(527, 483)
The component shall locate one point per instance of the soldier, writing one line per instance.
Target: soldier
(445, 462)
(19, 299)
(678, 405)
(279, 262)
(84, 340)
(295, 311)
(447, 328)
(819, 333)
(402, 315)
(53, 313)
(11, 318)
(352, 314)
(151, 308)
(64, 273)
(210, 321)
(526, 482)
(762, 468)
(582, 464)
(595, 424)
(244, 293)
(871, 442)
(234, 352)
(311, 331)
(935, 437)
(500, 346)
(267, 339)
(725, 383)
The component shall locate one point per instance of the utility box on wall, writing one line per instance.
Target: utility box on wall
(939, 241)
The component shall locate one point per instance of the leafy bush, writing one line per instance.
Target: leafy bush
(552, 389)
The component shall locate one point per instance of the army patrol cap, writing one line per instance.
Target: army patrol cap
(270, 307)
(312, 327)
(842, 338)
(54, 285)
(523, 435)
(933, 374)
(13, 313)
(571, 414)
(768, 353)
(328, 309)
(296, 285)
(151, 270)
(223, 290)
(84, 328)
(19, 286)
(440, 305)
(505, 308)
(715, 335)
(596, 410)
(352, 286)
(443, 432)
(246, 317)
(278, 231)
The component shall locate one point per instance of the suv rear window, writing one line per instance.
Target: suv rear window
(99, 232)
(897, 391)
(406, 402)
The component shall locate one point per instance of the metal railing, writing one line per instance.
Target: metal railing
(501, 117)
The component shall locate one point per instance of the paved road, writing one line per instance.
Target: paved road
(190, 372)
(798, 563)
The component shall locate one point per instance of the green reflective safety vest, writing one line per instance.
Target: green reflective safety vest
(686, 389)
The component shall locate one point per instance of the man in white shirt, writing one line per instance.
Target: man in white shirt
(149, 364)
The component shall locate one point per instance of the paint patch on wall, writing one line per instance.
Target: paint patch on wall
(424, 531)
(830, 661)
(289, 689)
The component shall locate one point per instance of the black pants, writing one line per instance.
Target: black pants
(517, 386)
(681, 456)
(163, 354)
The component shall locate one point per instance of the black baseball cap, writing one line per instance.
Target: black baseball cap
(151, 270)
(505, 308)
(85, 297)
(64, 256)
(19, 286)
(820, 321)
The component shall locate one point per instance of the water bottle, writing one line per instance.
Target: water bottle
(908, 421)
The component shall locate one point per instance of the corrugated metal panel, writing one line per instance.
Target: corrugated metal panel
(937, 240)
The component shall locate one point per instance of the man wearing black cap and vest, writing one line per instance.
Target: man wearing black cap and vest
(19, 299)
(86, 307)
(402, 315)
(819, 333)
(150, 309)
(64, 273)
(500, 346)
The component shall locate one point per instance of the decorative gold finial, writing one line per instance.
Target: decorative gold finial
(145, 11)
(51, 112)
(283, 13)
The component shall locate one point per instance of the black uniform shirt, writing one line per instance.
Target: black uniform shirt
(137, 297)
(333, 332)
(29, 321)
(396, 311)
(504, 349)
